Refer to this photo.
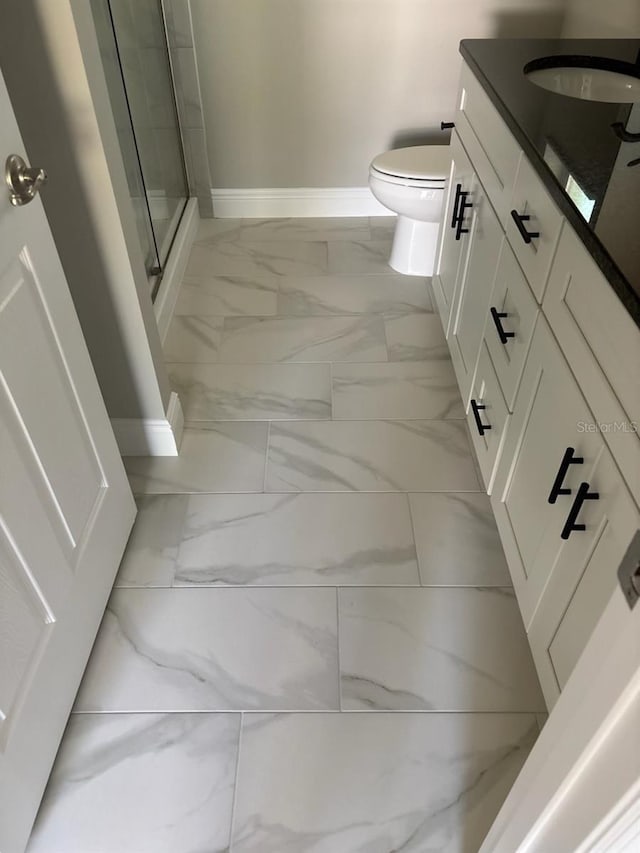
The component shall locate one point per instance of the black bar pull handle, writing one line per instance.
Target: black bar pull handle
(567, 460)
(460, 229)
(447, 125)
(456, 202)
(498, 317)
(570, 524)
(520, 219)
(476, 408)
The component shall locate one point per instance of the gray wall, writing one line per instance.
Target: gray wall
(602, 19)
(303, 93)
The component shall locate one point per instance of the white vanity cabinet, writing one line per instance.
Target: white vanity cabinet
(473, 287)
(546, 456)
(582, 575)
(454, 242)
(533, 227)
(601, 343)
(487, 416)
(564, 513)
(512, 318)
(548, 363)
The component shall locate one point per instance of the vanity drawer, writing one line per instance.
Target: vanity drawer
(493, 150)
(512, 318)
(601, 342)
(533, 227)
(487, 417)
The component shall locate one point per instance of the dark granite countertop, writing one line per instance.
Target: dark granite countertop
(572, 146)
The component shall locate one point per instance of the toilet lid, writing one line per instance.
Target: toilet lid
(421, 162)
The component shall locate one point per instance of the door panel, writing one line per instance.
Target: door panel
(66, 509)
(453, 251)
(51, 418)
(546, 421)
(475, 287)
(584, 576)
(25, 622)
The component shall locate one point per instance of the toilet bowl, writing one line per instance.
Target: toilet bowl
(410, 182)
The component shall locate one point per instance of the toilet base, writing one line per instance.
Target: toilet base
(414, 247)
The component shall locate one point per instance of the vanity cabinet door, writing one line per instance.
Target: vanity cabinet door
(487, 417)
(549, 451)
(601, 343)
(476, 280)
(533, 227)
(512, 317)
(583, 576)
(454, 234)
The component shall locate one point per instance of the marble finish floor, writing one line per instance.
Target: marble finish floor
(312, 645)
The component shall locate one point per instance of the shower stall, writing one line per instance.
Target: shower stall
(133, 44)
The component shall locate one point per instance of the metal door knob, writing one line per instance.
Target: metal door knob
(23, 181)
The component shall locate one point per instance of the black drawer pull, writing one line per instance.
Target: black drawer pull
(520, 219)
(557, 488)
(446, 125)
(456, 202)
(498, 317)
(570, 524)
(460, 229)
(476, 408)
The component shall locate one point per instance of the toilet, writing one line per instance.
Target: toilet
(410, 182)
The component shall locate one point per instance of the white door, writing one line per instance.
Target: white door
(579, 789)
(66, 509)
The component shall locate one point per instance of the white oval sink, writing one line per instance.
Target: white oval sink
(591, 78)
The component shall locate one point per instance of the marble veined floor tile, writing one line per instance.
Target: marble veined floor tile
(306, 229)
(227, 295)
(387, 456)
(150, 556)
(415, 337)
(210, 392)
(141, 783)
(263, 339)
(214, 650)
(360, 257)
(435, 649)
(406, 389)
(375, 783)
(457, 540)
(353, 294)
(382, 227)
(315, 539)
(214, 457)
(213, 230)
(275, 257)
(193, 339)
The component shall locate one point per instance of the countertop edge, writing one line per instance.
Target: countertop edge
(623, 289)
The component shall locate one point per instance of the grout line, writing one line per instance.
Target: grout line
(266, 458)
(332, 711)
(340, 708)
(235, 787)
(331, 400)
(194, 587)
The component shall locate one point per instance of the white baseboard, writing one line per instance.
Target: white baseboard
(151, 437)
(296, 202)
(165, 301)
(158, 204)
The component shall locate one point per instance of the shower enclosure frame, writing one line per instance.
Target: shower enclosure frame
(157, 212)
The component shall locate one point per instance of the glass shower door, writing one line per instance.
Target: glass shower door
(135, 55)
